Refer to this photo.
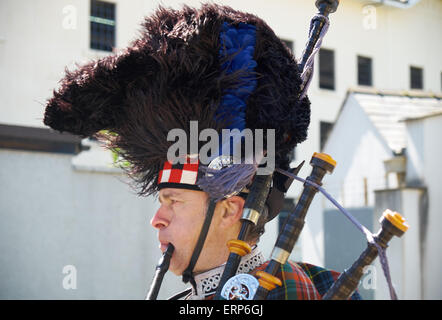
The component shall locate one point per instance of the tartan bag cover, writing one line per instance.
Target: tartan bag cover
(302, 281)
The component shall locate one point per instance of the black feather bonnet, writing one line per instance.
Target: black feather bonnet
(183, 68)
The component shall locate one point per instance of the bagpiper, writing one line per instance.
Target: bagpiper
(200, 71)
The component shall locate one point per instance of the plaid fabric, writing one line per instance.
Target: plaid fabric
(323, 279)
(302, 281)
(296, 283)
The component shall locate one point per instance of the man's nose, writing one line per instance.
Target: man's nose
(161, 219)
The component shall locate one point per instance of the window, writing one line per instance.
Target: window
(364, 71)
(325, 129)
(416, 81)
(102, 25)
(327, 69)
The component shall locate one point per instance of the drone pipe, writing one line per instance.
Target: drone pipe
(293, 225)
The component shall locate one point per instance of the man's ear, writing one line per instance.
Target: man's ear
(231, 210)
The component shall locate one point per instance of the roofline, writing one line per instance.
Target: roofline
(429, 115)
(381, 137)
(38, 139)
(397, 4)
(381, 92)
(396, 93)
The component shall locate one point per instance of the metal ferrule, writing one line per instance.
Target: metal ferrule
(251, 215)
(280, 255)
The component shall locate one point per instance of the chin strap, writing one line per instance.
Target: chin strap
(188, 273)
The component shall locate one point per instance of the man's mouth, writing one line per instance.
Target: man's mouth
(163, 245)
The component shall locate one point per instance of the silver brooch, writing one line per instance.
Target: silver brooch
(240, 287)
(220, 162)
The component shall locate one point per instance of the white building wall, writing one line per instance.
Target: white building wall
(394, 38)
(404, 253)
(415, 153)
(359, 151)
(424, 145)
(55, 216)
(410, 246)
(39, 38)
(415, 258)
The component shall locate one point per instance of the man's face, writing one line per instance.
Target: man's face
(179, 220)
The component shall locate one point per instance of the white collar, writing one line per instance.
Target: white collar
(207, 281)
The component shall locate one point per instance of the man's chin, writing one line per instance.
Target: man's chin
(175, 271)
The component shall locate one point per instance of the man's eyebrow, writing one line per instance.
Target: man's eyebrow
(168, 195)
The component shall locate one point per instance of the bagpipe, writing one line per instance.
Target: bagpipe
(392, 224)
(258, 288)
